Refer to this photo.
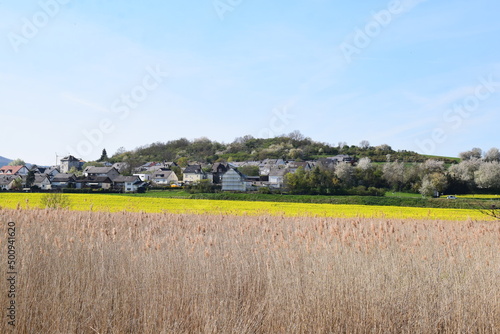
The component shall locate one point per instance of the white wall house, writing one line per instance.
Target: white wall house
(165, 177)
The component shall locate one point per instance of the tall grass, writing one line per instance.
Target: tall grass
(99, 272)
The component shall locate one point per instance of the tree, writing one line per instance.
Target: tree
(475, 153)
(488, 175)
(364, 144)
(493, 154)
(433, 184)
(30, 178)
(249, 170)
(17, 162)
(182, 162)
(17, 184)
(104, 156)
(345, 173)
(393, 173)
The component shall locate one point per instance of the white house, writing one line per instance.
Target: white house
(127, 183)
(165, 177)
(277, 177)
(193, 174)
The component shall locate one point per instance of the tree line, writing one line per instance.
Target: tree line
(476, 172)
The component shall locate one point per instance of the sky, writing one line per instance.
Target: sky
(80, 76)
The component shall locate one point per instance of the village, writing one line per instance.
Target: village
(71, 174)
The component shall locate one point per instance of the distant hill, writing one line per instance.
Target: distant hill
(4, 161)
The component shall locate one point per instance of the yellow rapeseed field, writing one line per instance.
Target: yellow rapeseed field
(116, 203)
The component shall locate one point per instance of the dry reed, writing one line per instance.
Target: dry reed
(98, 272)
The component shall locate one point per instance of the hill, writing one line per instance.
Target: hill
(293, 146)
(4, 161)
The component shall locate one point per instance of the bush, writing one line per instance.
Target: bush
(55, 201)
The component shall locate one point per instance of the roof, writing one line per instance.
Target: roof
(123, 179)
(193, 169)
(216, 166)
(94, 179)
(295, 164)
(63, 177)
(162, 174)
(278, 171)
(7, 179)
(70, 158)
(98, 170)
(10, 169)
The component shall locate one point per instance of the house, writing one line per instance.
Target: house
(277, 177)
(218, 169)
(14, 170)
(41, 181)
(110, 172)
(49, 171)
(144, 176)
(233, 180)
(63, 180)
(193, 174)
(164, 177)
(7, 181)
(293, 166)
(94, 182)
(342, 158)
(268, 164)
(69, 162)
(127, 183)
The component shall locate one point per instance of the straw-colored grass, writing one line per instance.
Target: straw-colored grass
(102, 272)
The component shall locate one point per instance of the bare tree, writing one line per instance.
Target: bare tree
(364, 144)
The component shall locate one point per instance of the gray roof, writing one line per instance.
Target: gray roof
(98, 170)
(278, 171)
(123, 179)
(193, 169)
(63, 177)
(7, 179)
(162, 174)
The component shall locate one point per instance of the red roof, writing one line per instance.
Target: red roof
(10, 170)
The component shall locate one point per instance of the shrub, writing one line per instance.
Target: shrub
(55, 201)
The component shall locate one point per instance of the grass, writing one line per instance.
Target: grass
(117, 203)
(129, 272)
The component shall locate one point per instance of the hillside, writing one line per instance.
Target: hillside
(4, 161)
(293, 146)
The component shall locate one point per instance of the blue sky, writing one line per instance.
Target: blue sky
(80, 76)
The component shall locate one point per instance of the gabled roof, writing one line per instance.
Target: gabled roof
(7, 179)
(162, 174)
(123, 179)
(217, 165)
(193, 169)
(278, 171)
(70, 158)
(63, 177)
(94, 179)
(10, 169)
(98, 170)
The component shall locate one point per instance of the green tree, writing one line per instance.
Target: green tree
(17, 162)
(249, 170)
(182, 162)
(104, 156)
(30, 178)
